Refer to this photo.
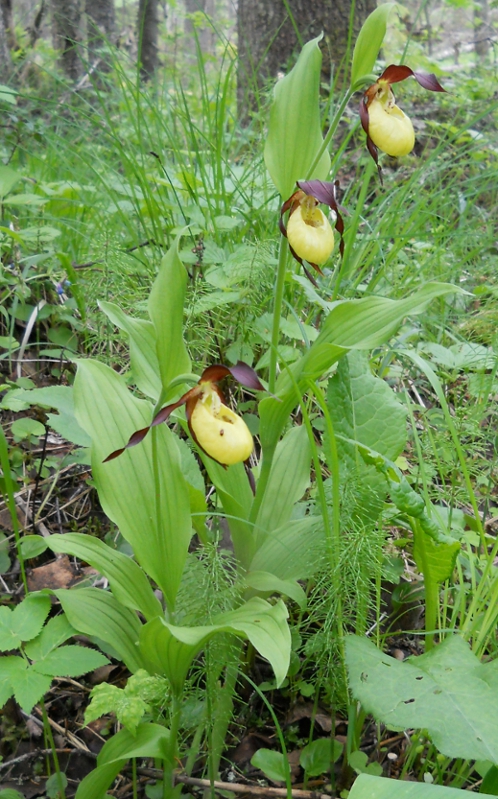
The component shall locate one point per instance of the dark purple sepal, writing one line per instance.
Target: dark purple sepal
(246, 376)
(429, 81)
(321, 190)
(136, 438)
(364, 118)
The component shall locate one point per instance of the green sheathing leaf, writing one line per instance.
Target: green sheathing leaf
(367, 787)
(440, 558)
(294, 551)
(128, 582)
(143, 356)
(24, 622)
(109, 413)
(446, 691)
(365, 409)
(289, 479)
(150, 741)
(352, 324)
(171, 649)
(97, 613)
(369, 42)
(166, 301)
(295, 131)
(264, 582)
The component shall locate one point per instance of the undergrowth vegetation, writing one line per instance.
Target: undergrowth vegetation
(272, 601)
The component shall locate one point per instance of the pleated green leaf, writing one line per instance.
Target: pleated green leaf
(160, 536)
(295, 131)
(293, 552)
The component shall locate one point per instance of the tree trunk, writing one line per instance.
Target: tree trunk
(66, 16)
(8, 23)
(267, 40)
(147, 38)
(5, 61)
(204, 31)
(101, 24)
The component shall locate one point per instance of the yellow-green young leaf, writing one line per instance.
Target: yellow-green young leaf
(439, 558)
(295, 133)
(369, 42)
(166, 302)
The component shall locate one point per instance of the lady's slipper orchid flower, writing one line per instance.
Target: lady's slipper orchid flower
(308, 230)
(215, 428)
(386, 126)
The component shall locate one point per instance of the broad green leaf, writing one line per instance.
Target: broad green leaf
(271, 763)
(171, 649)
(33, 545)
(70, 661)
(446, 691)
(9, 793)
(369, 42)
(294, 551)
(440, 558)
(368, 787)
(58, 397)
(150, 741)
(196, 486)
(269, 583)
(9, 665)
(96, 612)
(289, 479)
(364, 408)
(295, 131)
(67, 427)
(490, 782)
(55, 632)
(29, 687)
(128, 582)
(8, 179)
(160, 536)
(27, 427)
(54, 784)
(166, 301)
(143, 356)
(24, 622)
(316, 757)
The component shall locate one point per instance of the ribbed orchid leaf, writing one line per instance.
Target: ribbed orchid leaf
(295, 131)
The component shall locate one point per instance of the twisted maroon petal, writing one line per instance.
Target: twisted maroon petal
(429, 81)
(246, 376)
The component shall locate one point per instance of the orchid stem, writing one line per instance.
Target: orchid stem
(277, 311)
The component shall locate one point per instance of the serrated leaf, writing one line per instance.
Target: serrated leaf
(129, 710)
(9, 665)
(295, 131)
(55, 633)
(24, 622)
(29, 687)
(369, 42)
(446, 691)
(67, 427)
(70, 661)
(271, 763)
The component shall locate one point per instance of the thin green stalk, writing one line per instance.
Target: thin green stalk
(277, 311)
(430, 587)
(170, 609)
(11, 504)
(170, 760)
(48, 732)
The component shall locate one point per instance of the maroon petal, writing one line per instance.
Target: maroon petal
(323, 191)
(213, 373)
(364, 114)
(246, 376)
(429, 81)
(134, 439)
(396, 72)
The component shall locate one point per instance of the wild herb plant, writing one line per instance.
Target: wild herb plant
(154, 489)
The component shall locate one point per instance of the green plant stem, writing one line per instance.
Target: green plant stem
(50, 737)
(170, 760)
(170, 608)
(11, 504)
(277, 311)
(430, 588)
